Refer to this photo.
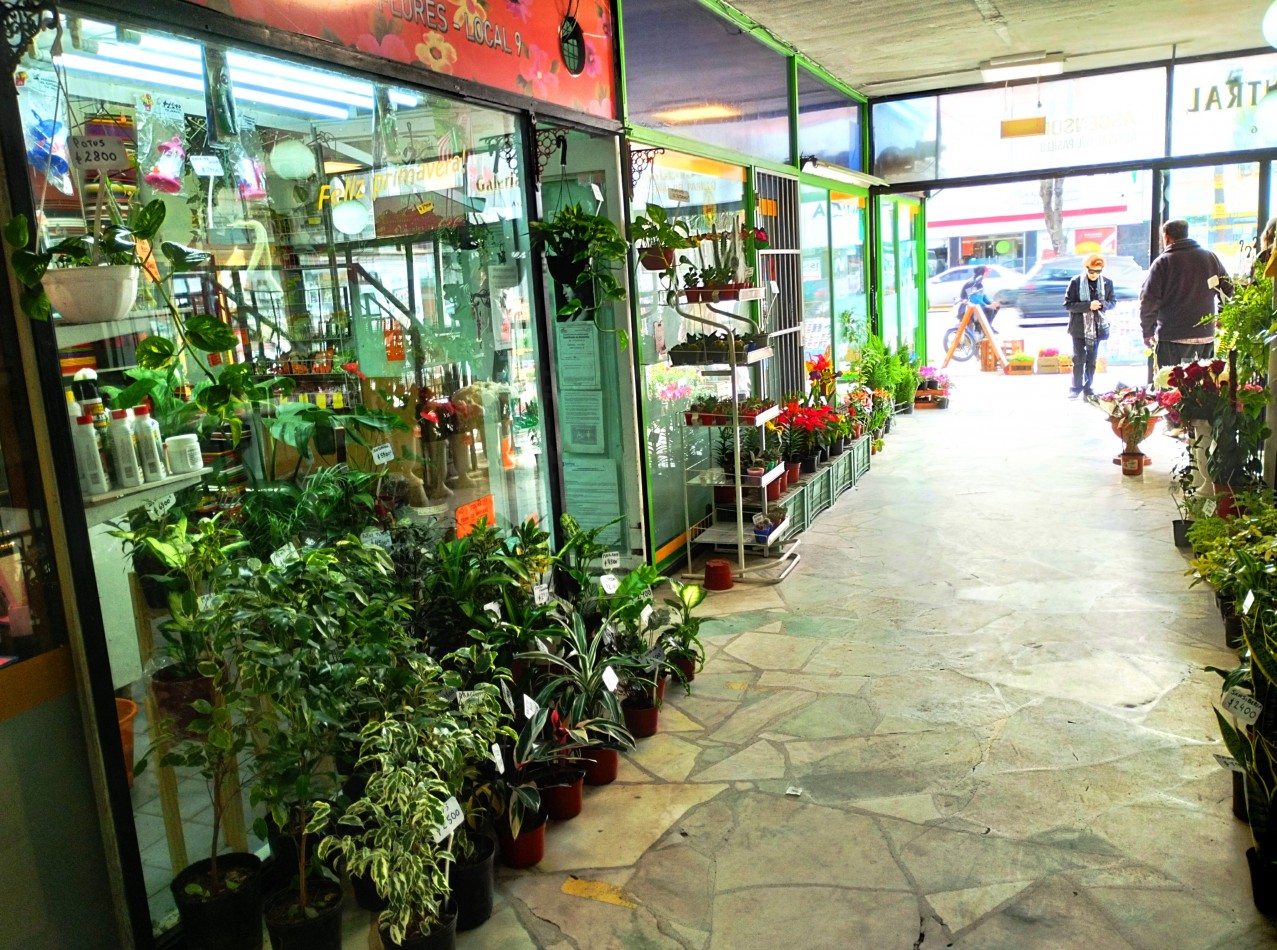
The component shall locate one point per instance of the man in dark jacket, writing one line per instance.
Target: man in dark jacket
(1089, 294)
(1180, 298)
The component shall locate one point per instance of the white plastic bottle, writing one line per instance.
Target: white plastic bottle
(150, 447)
(124, 462)
(88, 458)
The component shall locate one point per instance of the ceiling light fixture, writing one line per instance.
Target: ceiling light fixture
(1022, 66)
(701, 113)
(812, 164)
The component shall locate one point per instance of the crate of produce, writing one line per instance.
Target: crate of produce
(1048, 364)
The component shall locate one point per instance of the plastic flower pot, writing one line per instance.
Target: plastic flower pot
(601, 765)
(528, 849)
(126, 712)
(718, 574)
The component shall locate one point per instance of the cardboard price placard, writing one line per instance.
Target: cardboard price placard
(1242, 705)
(99, 152)
(383, 454)
(452, 818)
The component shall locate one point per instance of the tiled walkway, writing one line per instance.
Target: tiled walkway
(986, 677)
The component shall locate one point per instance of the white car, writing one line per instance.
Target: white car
(943, 289)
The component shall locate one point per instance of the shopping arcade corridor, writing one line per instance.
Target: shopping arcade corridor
(987, 679)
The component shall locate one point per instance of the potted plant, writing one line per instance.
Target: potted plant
(721, 275)
(1132, 414)
(582, 253)
(219, 898)
(1238, 431)
(682, 640)
(190, 554)
(398, 831)
(657, 238)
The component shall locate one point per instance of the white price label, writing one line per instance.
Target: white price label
(610, 679)
(1248, 602)
(1242, 705)
(598, 194)
(540, 595)
(679, 194)
(452, 818)
(285, 555)
(646, 616)
(530, 707)
(1228, 762)
(157, 509)
(493, 608)
(794, 790)
(377, 536)
(99, 151)
(206, 166)
(609, 583)
(384, 453)
(497, 760)
(611, 560)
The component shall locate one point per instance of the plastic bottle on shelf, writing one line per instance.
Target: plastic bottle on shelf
(73, 407)
(124, 462)
(150, 447)
(88, 458)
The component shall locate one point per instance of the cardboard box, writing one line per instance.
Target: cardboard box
(1048, 364)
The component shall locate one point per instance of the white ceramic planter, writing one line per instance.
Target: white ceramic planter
(92, 294)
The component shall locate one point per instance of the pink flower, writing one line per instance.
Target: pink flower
(391, 47)
(541, 74)
(521, 11)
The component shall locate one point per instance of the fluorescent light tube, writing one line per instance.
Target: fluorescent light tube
(1030, 66)
(701, 113)
(114, 70)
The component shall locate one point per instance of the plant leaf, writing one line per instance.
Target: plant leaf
(207, 333)
(155, 352)
(184, 258)
(17, 232)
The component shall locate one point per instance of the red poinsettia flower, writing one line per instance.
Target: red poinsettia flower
(353, 368)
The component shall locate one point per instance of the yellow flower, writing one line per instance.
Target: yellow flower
(437, 53)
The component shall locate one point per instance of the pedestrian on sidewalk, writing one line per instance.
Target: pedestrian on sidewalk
(973, 292)
(1089, 294)
(1180, 298)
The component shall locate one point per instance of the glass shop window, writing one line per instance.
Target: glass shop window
(360, 249)
(850, 303)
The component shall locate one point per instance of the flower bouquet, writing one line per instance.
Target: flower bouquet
(1132, 412)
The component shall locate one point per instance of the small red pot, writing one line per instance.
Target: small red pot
(601, 765)
(718, 574)
(775, 488)
(686, 665)
(525, 851)
(641, 721)
(563, 802)
(657, 257)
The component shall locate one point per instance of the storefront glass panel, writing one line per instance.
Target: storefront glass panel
(1220, 204)
(907, 258)
(1224, 105)
(905, 139)
(817, 275)
(369, 250)
(706, 195)
(828, 122)
(851, 303)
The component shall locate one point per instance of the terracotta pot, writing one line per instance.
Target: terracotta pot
(601, 765)
(562, 798)
(528, 849)
(174, 694)
(775, 488)
(126, 712)
(641, 721)
(686, 665)
(793, 471)
(1121, 431)
(657, 257)
(1132, 463)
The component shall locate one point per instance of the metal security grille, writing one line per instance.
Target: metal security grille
(780, 266)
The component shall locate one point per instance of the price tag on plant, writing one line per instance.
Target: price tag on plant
(493, 608)
(157, 509)
(530, 707)
(609, 583)
(377, 536)
(383, 454)
(1242, 705)
(610, 679)
(206, 166)
(1228, 762)
(611, 560)
(497, 760)
(452, 818)
(285, 555)
(99, 152)
(540, 595)
(646, 616)
(1248, 602)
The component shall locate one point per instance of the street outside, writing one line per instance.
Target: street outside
(1124, 351)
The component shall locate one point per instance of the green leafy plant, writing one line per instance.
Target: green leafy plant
(1238, 431)
(588, 249)
(683, 638)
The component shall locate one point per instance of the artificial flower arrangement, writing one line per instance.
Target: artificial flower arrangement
(1192, 391)
(1131, 411)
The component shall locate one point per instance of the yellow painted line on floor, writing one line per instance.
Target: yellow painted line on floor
(596, 891)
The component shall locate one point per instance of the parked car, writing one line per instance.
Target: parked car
(1040, 297)
(943, 289)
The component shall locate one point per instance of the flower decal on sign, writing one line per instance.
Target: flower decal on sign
(437, 53)
(469, 10)
(391, 46)
(541, 73)
(519, 11)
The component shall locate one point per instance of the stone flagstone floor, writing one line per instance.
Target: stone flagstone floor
(986, 677)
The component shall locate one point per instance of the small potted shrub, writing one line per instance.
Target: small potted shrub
(682, 640)
(657, 238)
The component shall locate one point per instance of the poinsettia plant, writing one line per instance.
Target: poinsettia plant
(1130, 409)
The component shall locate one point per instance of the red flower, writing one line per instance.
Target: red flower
(353, 368)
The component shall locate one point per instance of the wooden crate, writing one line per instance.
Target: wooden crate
(988, 357)
(1048, 364)
(1019, 369)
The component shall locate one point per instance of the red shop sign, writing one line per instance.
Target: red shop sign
(512, 45)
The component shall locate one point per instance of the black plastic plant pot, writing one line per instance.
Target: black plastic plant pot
(1180, 528)
(291, 928)
(472, 885)
(231, 920)
(1263, 882)
(442, 937)
(366, 895)
(566, 268)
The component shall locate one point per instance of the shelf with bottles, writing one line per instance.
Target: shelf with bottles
(109, 505)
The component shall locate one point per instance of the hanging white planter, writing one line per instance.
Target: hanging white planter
(92, 294)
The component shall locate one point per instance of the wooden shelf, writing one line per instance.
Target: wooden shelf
(77, 334)
(119, 501)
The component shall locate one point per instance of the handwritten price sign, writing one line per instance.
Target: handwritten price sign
(99, 152)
